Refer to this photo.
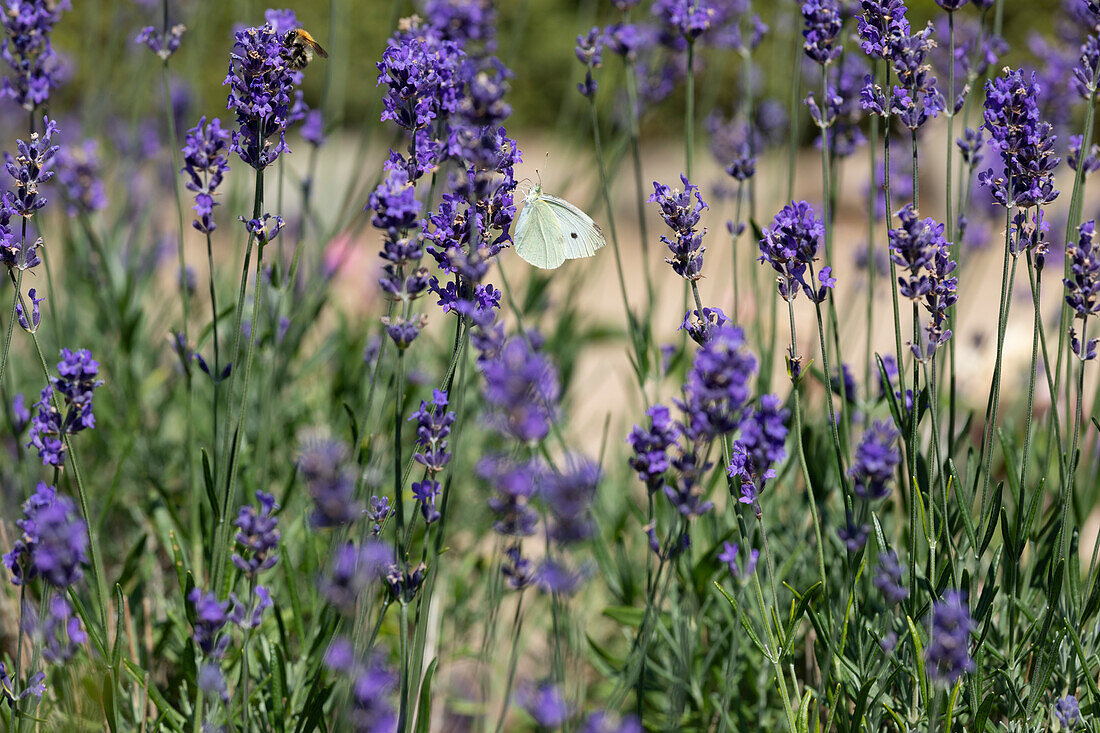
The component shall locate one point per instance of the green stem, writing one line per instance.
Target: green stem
(871, 265)
(797, 380)
(221, 537)
(639, 186)
(689, 112)
(513, 659)
(403, 714)
(185, 301)
(1008, 277)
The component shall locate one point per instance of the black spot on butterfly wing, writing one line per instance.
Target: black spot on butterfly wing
(573, 235)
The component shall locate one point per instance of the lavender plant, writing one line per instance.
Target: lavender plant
(402, 482)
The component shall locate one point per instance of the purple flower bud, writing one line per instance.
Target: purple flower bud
(162, 44)
(545, 703)
(1068, 712)
(948, 654)
(888, 579)
(370, 705)
(257, 535)
(211, 616)
(54, 540)
(877, 457)
(729, 555)
(822, 21)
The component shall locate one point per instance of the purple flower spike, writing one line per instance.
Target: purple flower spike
(27, 50)
(162, 44)
(1083, 284)
(822, 26)
(76, 386)
(257, 535)
(545, 703)
(688, 18)
(30, 170)
(1068, 712)
(651, 445)
(370, 707)
(323, 464)
(888, 579)
(205, 164)
(80, 174)
(919, 247)
(717, 385)
(682, 216)
(589, 51)
(948, 655)
(522, 390)
(877, 457)
(211, 616)
(789, 245)
(1024, 142)
(54, 540)
(260, 87)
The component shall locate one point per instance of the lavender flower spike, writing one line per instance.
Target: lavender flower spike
(1083, 285)
(789, 245)
(948, 653)
(682, 216)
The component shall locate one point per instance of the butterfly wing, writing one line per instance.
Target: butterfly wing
(581, 235)
(539, 238)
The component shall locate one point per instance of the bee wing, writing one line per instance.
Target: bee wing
(305, 36)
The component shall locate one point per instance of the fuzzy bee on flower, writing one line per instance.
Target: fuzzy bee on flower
(300, 46)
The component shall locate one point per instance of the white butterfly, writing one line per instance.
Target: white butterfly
(551, 230)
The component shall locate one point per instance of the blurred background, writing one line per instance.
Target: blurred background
(112, 94)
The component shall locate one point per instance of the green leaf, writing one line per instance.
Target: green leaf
(990, 519)
(169, 714)
(295, 600)
(625, 615)
(745, 623)
(804, 713)
(116, 651)
(133, 558)
(796, 615)
(109, 710)
(424, 706)
(353, 425)
(966, 506)
(918, 653)
(208, 484)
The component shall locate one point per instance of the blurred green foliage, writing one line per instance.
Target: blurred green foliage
(536, 42)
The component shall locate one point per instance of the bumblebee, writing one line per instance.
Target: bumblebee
(300, 46)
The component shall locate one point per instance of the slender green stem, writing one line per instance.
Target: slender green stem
(245, 717)
(185, 302)
(734, 239)
(689, 112)
(605, 186)
(403, 709)
(217, 353)
(229, 446)
(639, 186)
(1008, 276)
(837, 449)
(872, 269)
(513, 659)
(812, 500)
(17, 282)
